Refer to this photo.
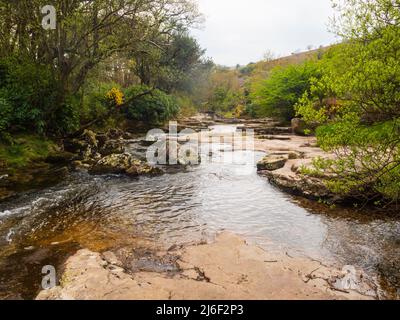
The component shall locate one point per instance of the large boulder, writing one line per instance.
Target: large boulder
(111, 147)
(123, 164)
(272, 163)
(306, 186)
(114, 134)
(185, 155)
(85, 146)
(90, 137)
(74, 145)
(91, 147)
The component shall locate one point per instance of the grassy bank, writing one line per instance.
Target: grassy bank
(24, 150)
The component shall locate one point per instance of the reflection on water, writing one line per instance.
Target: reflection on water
(184, 207)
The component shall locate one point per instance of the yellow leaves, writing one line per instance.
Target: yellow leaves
(239, 111)
(115, 96)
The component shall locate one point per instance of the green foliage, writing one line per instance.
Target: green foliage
(356, 102)
(5, 114)
(154, 108)
(25, 149)
(225, 91)
(94, 102)
(368, 158)
(44, 74)
(277, 95)
(178, 62)
(223, 100)
(29, 99)
(186, 105)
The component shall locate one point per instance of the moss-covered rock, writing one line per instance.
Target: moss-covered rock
(123, 164)
(111, 147)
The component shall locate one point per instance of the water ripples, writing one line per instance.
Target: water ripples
(193, 205)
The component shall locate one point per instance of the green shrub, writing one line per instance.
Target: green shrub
(186, 106)
(31, 99)
(277, 95)
(94, 100)
(154, 108)
(5, 114)
(25, 149)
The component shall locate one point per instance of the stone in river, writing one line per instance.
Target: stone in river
(123, 164)
(272, 163)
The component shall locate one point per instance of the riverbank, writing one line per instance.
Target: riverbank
(23, 164)
(283, 166)
(225, 269)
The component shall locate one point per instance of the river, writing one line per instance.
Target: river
(186, 206)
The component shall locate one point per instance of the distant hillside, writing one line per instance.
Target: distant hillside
(262, 68)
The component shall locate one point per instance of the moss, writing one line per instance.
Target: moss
(23, 150)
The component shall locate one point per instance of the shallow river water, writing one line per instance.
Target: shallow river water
(181, 207)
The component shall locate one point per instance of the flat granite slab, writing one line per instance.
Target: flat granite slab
(228, 269)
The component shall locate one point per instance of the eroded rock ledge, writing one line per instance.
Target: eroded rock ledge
(284, 161)
(226, 269)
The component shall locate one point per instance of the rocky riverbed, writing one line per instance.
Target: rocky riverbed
(115, 197)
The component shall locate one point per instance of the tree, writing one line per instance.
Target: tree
(363, 75)
(153, 108)
(88, 33)
(170, 66)
(277, 95)
(225, 92)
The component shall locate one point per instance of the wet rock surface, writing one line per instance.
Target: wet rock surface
(226, 269)
(157, 268)
(283, 167)
(104, 153)
(272, 163)
(123, 164)
(36, 176)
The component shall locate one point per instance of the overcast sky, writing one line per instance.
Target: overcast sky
(241, 31)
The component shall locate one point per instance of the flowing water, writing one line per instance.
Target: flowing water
(181, 207)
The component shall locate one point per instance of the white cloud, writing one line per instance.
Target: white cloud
(241, 31)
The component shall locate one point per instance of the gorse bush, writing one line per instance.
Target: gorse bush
(115, 97)
(98, 98)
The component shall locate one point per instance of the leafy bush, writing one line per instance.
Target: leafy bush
(95, 101)
(5, 114)
(186, 105)
(356, 103)
(29, 95)
(277, 95)
(155, 107)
